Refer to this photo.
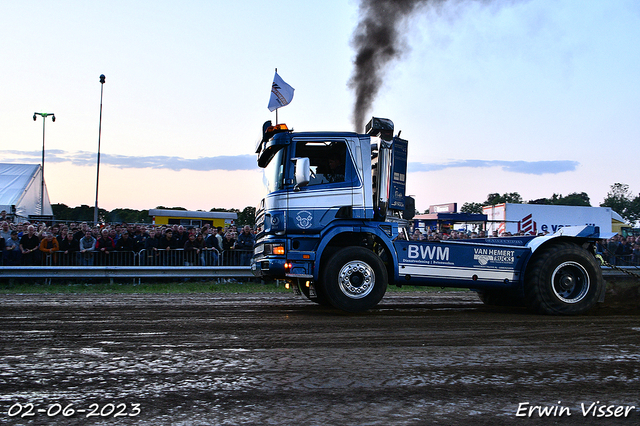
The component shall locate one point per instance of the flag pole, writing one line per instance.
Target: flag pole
(281, 95)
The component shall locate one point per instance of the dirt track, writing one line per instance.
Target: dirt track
(205, 359)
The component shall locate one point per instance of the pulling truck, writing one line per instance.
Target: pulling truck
(333, 225)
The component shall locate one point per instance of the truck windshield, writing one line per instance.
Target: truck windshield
(274, 172)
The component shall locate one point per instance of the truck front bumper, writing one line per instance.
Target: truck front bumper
(268, 267)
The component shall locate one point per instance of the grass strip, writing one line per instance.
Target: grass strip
(191, 286)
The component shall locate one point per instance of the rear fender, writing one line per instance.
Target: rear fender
(576, 234)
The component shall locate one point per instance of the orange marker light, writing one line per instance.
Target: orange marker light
(277, 127)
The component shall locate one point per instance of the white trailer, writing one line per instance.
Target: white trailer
(533, 219)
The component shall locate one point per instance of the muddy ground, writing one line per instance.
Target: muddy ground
(278, 359)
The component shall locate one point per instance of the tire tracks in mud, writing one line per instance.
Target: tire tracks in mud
(418, 358)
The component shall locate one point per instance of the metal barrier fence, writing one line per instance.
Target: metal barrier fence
(625, 260)
(182, 257)
(173, 263)
(136, 272)
(172, 257)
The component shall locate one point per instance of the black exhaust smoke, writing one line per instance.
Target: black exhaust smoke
(377, 41)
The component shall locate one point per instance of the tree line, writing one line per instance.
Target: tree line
(84, 213)
(619, 198)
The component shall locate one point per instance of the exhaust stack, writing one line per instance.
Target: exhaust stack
(381, 166)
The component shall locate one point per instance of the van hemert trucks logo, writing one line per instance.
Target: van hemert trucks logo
(486, 255)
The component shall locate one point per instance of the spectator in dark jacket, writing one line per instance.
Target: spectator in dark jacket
(213, 248)
(626, 250)
(612, 249)
(139, 238)
(193, 249)
(211, 241)
(30, 245)
(151, 249)
(181, 237)
(246, 241)
(104, 246)
(79, 233)
(69, 246)
(167, 243)
(228, 246)
(125, 244)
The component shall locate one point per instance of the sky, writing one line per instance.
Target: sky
(536, 97)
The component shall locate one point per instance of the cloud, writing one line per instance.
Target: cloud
(85, 158)
(525, 167)
(248, 162)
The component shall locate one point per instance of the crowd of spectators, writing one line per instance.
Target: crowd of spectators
(118, 244)
(121, 244)
(431, 235)
(620, 251)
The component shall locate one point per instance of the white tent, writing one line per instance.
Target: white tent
(21, 191)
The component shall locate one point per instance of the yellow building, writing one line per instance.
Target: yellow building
(191, 218)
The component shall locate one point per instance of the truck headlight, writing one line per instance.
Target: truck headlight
(277, 249)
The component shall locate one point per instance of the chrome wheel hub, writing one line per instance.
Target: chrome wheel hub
(570, 282)
(356, 279)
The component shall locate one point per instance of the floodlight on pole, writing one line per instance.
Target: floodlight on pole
(95, 210)
(44, 116)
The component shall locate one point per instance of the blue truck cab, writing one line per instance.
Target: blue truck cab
(334, 226)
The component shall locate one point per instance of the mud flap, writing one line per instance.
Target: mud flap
(602, 292)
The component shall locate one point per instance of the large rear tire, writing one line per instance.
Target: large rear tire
(354, 279)
(563, 279)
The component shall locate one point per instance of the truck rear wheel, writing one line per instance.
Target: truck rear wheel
(355, 279)
(564, 279)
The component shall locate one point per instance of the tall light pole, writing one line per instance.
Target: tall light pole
(44, 116)
(95, 210)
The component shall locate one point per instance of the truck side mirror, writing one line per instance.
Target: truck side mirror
(303, 172)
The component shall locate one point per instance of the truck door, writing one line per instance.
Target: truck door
(332, 189)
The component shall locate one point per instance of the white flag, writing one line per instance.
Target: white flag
(281, 93)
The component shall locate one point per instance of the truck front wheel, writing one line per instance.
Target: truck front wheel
(354, 279)
(565, 279)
